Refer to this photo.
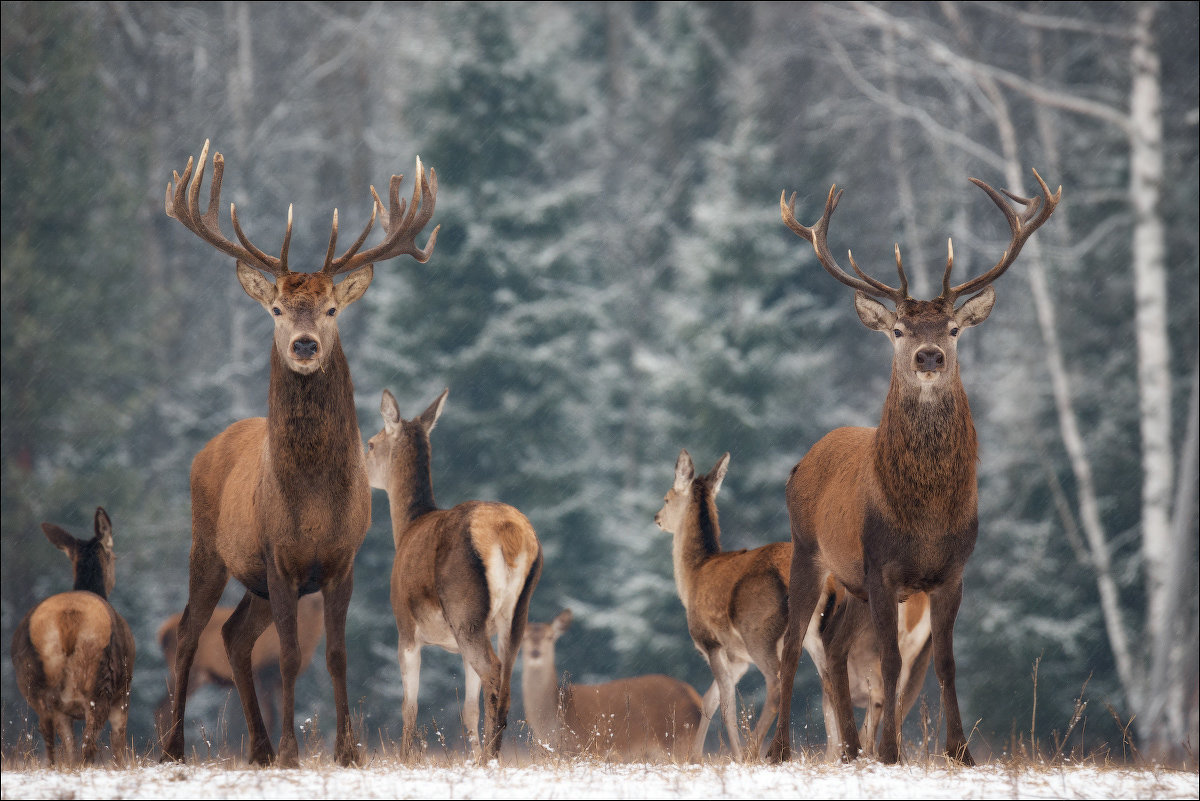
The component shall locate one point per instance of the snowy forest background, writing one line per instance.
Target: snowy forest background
(612, 282)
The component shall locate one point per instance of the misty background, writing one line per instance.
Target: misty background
(613, 283)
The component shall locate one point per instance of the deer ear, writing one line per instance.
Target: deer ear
(562, 623)
(685, 471)
(874, 314)
(390, 410)
(975, 309)
(353, 285)
(430, 416)
(60, 538)
(256, 285)
(104, 529)
(717, 474)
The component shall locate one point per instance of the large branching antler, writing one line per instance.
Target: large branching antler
(183, 204)
(1037, 211)
(403, 222)
(816, 235)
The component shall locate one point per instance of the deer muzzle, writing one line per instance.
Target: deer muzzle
(929, 359)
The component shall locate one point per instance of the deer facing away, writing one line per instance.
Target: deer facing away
(460, 576)
(891, 511)
(211, 665)
(73, 654)
(639, 719)
(282, 503)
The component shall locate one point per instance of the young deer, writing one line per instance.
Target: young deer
(891, 511)
(736, 605)
(639, 719)
(282, 503)
(211, 665)
(73, 654)
(736, 602)
(460, 576)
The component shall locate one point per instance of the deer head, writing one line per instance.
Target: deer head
(402, 447)
(925, 333)
(537, 645)
(678, 499)
(91, 560)
(305, 306)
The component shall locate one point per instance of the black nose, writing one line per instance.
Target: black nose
(930, 359)
(305, 348)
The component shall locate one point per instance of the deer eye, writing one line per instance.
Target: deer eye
(275, 310)
(897, 333)
(953, 332)
(332, 312)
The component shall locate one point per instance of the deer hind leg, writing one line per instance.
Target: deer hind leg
(409, 654)
(509, 641)
(943, 609)
(805, 586)
(470, 707)
(118, 717)
(478, 654)
(207, 577)
(46, 727)
(727, 675)
(65, 727)
(240, 632)
(708, 707)
(337, 604)
(94, 718)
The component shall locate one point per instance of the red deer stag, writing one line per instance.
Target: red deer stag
(460, 576)
(639, 719)
(892, 510)
(282, 503)
(73, 654)
(211, 665)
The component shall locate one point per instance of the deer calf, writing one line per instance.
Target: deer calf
(211, 665)
(460, 576)
(73, 654)
(639, 719)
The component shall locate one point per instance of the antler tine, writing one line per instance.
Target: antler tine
(403, 221)
(817, 236)
(1037, 211)
(946, 291)
(183, 204)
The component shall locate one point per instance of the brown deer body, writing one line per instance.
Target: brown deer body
(639, 719)
(736, 601)
(282, 503)
(460, 576)
(892, 511)
(73, 654)
(211, 664)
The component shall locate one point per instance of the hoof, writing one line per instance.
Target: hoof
(961, 755)
(778, 753)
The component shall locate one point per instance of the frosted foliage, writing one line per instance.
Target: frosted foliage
(612, 282)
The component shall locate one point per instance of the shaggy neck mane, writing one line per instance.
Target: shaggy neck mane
(311, 421)
(925, 456)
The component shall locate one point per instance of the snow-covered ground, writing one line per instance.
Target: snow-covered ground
(581, 780)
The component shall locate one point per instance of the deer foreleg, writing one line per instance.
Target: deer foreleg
(207, 578)
(284, 598)
(240, 632)
(804, 590)
(337, 605)
(882, 597)
(943, 609)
